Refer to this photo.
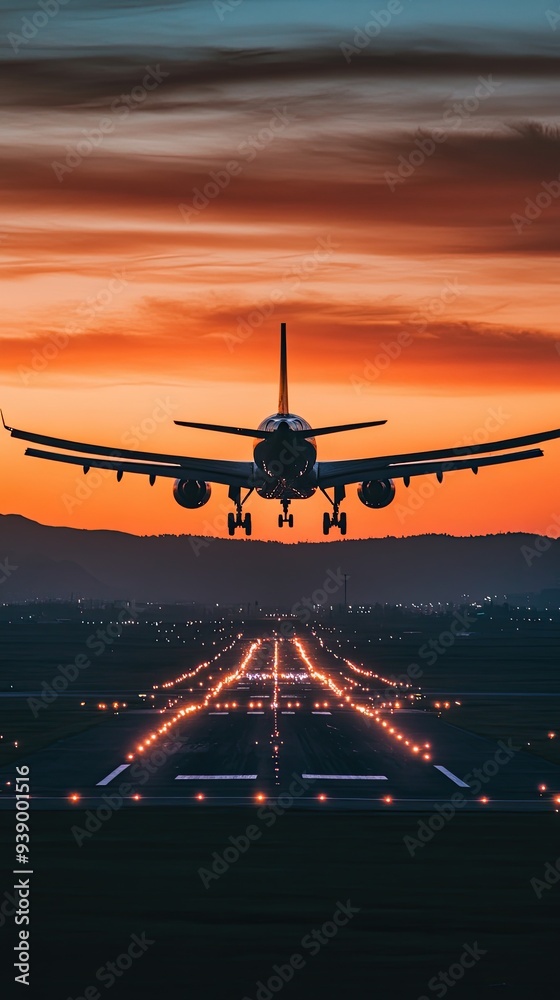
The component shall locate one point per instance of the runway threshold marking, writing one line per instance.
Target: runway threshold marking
(346, 777)
(453, 777)
(215, 777)
(113, 774)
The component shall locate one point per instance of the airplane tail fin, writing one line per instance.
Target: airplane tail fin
(283, 406)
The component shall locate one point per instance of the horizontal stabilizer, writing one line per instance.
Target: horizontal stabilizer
(309, 433)
(336, 428)
(220, 428)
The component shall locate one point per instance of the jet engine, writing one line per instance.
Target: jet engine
(191, 493)
(378, 493)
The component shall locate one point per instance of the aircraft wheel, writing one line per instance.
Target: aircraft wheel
(231, 524)
(291, 520)
(326, 523)
(342, 523)
(280, 521)
(248, 524)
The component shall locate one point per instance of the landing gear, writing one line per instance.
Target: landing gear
(237, 520)
(284, 517)
(337, 519)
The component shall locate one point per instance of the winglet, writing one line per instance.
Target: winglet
(6, 428)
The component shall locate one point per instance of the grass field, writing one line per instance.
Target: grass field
(506, 675)
(139, 873)
(123, 669)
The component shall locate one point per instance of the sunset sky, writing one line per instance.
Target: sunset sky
(179, 178)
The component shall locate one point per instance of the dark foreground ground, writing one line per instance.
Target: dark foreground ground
(470, 885)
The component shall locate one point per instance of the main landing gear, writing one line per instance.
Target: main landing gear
(337, 519)
(284, 517)
(237, 520)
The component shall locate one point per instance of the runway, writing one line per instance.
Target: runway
(288, 724)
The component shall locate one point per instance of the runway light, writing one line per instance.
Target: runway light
(542, 788)
(74, 797)
(552, 736)
(388, 800)
(484, 800)
(137, 797)
(200, 797)
(557, 799)
(259, 797)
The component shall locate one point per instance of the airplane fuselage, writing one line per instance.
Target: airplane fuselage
(285, 461)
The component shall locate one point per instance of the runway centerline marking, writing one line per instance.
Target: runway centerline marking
(287, 713)
(255, 713)
(346, 777)
(113, 774)
(453, 777)
(215, 777)
(218, 713)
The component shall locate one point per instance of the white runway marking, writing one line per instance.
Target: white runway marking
(287, 713)
(255, 713)
(449, 774)
(347, 777)
(215, 777)
(113, 774)
(218, 713)
(321, 713)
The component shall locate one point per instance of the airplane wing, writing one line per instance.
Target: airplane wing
(438, 461)
(330, 475)
(152, 464)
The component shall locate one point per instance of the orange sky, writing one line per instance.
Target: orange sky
(121, 289)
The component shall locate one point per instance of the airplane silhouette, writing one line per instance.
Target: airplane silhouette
(284, 466)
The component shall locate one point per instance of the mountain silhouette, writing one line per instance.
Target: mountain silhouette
(55, 562)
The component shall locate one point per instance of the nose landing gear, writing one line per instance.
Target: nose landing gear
(337, 519)
(237, 520)
(284, 517)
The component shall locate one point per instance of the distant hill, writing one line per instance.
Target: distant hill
(56, 562)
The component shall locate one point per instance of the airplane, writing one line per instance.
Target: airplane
(284, 466)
